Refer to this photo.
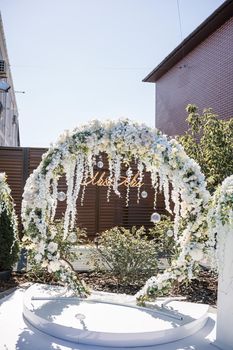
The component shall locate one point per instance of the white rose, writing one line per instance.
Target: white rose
(72, 237)
(44, 263)
(196, 254)
(38, 257)
(40, 247)
(53, 266)
(198, 234)
(52, 247)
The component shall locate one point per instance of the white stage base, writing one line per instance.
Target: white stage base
(95, 321)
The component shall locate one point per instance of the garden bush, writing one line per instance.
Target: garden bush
(129, 255)
(9, 244)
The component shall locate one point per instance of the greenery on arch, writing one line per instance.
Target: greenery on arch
(220, 221)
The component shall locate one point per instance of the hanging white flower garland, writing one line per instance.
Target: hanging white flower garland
(123, 141)
(220, 222)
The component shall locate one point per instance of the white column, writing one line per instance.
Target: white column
(224, 336)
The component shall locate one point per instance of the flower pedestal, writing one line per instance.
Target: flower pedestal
(224, 336)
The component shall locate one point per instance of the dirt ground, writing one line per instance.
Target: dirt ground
(202, 289)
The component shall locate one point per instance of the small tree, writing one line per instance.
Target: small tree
(9, 246)
(209, 140)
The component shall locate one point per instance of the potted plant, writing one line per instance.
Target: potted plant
(9, 244)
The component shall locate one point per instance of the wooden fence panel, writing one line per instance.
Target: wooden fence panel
(12, 163)
(97, 214)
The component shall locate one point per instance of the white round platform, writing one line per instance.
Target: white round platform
(109, 323)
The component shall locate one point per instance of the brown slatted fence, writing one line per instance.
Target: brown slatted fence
(96, 215)
(12, 163)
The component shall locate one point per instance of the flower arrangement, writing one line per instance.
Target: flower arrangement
(67, 252)
(220, 221)
(8, 227)
(75, 155)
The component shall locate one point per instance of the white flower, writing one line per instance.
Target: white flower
(52, 232)
(2, 177)
(53, 266)
(196, 253)
(72, 237)
(41, 247)
(38, 258)
(44, 263)
(52, 247)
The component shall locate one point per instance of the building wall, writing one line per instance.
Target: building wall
(9, 124)
(204, 77)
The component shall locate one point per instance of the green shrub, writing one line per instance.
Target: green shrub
(9, 246)
(209, 141)
(128, 254)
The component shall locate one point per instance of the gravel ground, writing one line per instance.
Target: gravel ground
(202, 289)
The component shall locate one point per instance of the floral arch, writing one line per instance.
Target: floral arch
(75, 155)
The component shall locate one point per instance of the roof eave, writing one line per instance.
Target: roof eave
(206, 28)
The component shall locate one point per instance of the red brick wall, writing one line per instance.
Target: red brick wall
(205, 79)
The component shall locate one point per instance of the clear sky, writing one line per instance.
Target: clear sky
(83, 59)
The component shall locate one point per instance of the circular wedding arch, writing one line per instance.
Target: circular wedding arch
(75, 155)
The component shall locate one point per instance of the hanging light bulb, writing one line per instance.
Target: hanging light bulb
(61, 196)
(129, 173)
(155, 217)
(144, 194)
(100, 164)
(169, 233)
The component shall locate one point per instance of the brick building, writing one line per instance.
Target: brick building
(199, 71)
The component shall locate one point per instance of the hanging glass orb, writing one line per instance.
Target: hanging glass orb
(169, 233)
(144, 194)
(155, 217)
(100, 164)
(129, 173)
(61, 196)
